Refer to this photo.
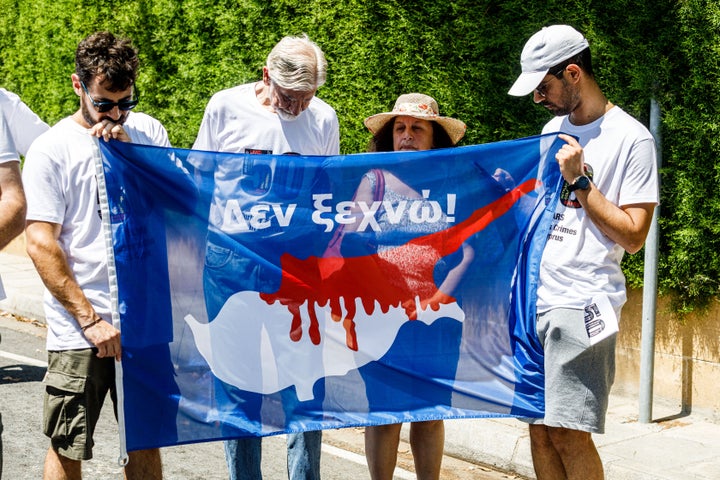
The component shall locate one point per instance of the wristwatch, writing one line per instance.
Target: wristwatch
(581, 183)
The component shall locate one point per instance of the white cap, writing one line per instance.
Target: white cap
(547, 48)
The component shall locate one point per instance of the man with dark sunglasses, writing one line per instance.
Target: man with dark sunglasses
(65, 241)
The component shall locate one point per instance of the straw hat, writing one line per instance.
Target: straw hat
(419, 106)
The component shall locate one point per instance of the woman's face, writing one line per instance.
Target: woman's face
(410, 133)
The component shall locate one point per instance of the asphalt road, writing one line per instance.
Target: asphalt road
(23, 446)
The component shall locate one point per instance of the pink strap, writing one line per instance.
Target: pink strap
(333, 248)
(379, 192)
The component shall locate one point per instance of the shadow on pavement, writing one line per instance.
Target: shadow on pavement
(21, 373)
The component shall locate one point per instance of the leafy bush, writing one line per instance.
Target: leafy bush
(464, 53)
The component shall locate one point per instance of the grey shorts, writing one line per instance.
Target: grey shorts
(76, 384)
(578, 376)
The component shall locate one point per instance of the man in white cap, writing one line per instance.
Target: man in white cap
(605, 209)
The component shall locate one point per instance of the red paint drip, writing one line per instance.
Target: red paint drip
(373, 278)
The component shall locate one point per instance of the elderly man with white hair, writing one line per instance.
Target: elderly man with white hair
(279, 114)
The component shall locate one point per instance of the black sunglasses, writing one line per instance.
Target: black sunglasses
(105, 106)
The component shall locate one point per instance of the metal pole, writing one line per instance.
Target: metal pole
(647, 349)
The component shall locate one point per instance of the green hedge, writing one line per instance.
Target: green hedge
(464, 53)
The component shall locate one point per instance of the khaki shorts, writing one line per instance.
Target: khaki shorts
(76, 383)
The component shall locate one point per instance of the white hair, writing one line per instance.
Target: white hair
(297, 63)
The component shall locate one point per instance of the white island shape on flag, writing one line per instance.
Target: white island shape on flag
(248, 344)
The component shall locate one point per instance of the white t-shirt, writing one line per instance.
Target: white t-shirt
(19, 126)
(579, 261)
(236, 122)
(61, 187)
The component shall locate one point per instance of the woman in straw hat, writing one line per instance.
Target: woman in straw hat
(414, 124)
(423, 109)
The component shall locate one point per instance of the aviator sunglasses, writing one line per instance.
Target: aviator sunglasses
(106, 106)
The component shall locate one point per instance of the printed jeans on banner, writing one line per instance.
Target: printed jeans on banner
(227, 272)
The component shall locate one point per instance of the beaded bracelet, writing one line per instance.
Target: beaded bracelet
(85, 327)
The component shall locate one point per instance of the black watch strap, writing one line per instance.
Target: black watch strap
(581, 183)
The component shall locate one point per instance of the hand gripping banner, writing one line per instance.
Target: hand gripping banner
(267, 294)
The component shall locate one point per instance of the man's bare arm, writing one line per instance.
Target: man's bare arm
(628, 225)
(52, 265)
(12, 203)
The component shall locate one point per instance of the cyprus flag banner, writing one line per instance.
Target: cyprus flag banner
(267, 294)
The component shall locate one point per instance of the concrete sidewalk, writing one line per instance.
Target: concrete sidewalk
(676, 446)
(23, 286)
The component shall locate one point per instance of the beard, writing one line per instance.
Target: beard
(557, 110)
(568, 102)
(91, 120)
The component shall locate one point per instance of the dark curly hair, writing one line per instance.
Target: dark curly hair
(112, 59)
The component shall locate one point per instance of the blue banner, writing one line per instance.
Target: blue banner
(266, 294)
